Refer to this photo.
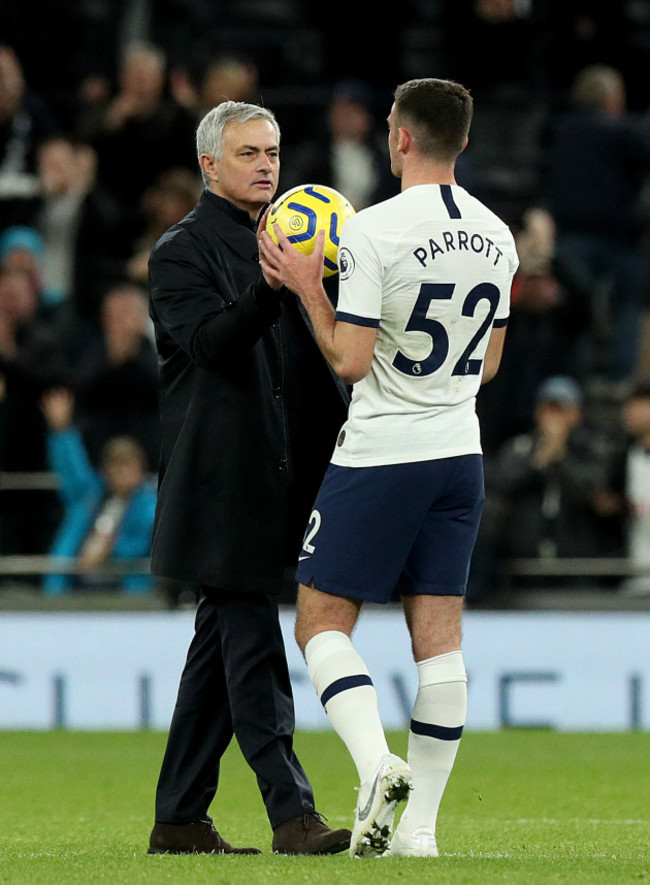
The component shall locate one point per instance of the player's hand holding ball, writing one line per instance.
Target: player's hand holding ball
(308, 219)
(282, 265)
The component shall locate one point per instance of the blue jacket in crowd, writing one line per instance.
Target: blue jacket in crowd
(82, 491)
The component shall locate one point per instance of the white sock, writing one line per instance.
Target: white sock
(434, 736)
(343, 684)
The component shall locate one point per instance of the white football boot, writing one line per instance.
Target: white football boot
(419, 843)
(378, 798)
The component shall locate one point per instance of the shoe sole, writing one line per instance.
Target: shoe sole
(336, 847)
(374, 839)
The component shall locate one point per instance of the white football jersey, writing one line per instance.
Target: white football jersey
(432, 269)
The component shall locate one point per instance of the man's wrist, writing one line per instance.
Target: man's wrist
(265, 294)
(313, 294)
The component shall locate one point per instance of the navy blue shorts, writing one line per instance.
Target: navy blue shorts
(378, 533)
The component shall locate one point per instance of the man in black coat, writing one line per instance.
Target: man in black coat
(249, 415)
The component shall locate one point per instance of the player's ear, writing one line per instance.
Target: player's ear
(404, 140)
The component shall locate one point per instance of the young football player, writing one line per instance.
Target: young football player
(420, 323)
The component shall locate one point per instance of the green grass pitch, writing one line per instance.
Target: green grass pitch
(521, 806)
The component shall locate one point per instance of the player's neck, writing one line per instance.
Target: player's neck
(427, 173)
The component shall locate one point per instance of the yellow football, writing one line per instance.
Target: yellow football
(302, 211)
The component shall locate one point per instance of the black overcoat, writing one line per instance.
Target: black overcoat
(249, 409)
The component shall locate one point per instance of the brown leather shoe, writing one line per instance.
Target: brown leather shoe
(195, 838)
(308, 834)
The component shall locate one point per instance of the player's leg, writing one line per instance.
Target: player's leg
(342, 682)
(434, 585)
(364, 523)
(343, 523)
(340, 677)
(434, 624)
(438, 717)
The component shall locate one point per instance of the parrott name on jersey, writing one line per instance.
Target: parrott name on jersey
(457, 240)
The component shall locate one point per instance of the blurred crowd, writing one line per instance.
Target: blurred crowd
(99, 104)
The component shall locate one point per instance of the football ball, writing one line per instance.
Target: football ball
(306, 209)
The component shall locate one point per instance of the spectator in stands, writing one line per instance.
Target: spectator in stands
(107, 515)
(630, 485)
(576, 34)
(350, 155)
(117, 377)
(166, 202)
(31, 359)
(25, 119)
(201, 84)
(140, 131)
(92, 38)
(595, 161)
(85, 242)
(550, 480)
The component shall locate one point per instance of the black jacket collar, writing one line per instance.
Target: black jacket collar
(231, 224)
(239, 215)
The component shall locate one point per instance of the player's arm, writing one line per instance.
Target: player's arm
(348, 348)
(493, 353)
(497, 338)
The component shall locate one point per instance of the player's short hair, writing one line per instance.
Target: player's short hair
(439, 114)
(211, 129)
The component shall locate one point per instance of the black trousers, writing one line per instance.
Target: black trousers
(235, 681)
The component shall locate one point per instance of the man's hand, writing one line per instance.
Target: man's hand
(347, 348)
(57, 405)
(282, 265)
(270, 277)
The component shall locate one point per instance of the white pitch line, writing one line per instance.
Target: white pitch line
(500, 855)
(578, 820)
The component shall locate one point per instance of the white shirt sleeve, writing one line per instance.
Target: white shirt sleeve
(503, 309)
(360, 277)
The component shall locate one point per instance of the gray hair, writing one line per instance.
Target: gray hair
(210, 132)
